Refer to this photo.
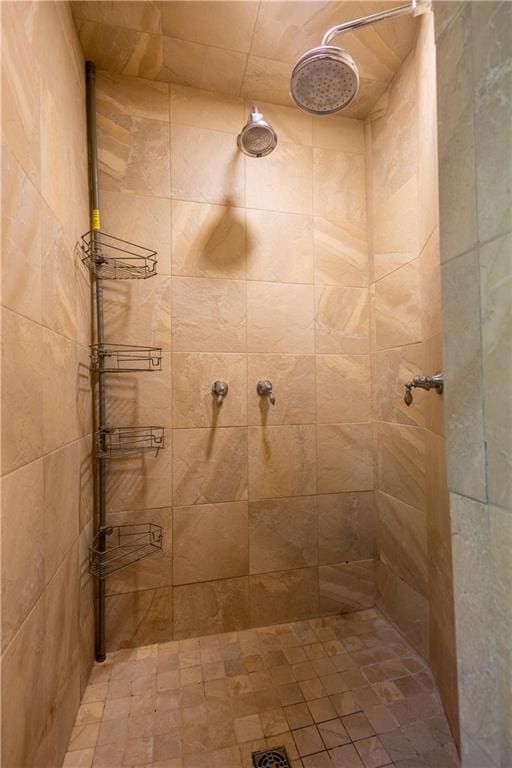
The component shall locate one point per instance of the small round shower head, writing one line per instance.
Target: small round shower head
(324, 80)
(257, 138)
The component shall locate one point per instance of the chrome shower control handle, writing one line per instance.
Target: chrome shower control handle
(424, 382)
(264, 389)
(219, 391)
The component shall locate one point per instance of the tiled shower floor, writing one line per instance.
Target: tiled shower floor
(340, 692)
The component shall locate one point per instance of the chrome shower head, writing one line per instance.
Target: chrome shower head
(257, 138)
(324, 80)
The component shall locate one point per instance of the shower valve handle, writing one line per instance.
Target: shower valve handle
(424, 382)
(219, 391)
(264, 389)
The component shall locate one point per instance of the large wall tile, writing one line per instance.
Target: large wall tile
(209, 465)
(462, 394)
(141, 482)
(141, 398)
(492, 59)
(217, 23)
(21, 105)
(23, 676)
(192, 400)
(140, 219)
(339, 133)
(59, 310)
(131, 96)
(293, 380)
(496, 280)
(22, 544)
(208, 240)
(391, 369)
(281, 461)
(282, 534)
(138, 311)
(341, 253)
(61, 504)
(287, 181)
(347, 527)
(66, 372)
(21, 240)
(206, 166)
(151, 572)
(430, 270)
(341, 320)
(134, 154)
(501, 541)
(398, 308)
(347, 586)
(279, 247)
(395, 229)
(344, 458)
(284, 596)
(210, 542)
(280, 318)
(203, 109)
(139, 618)
(402, 537)
(22, 395)
(339, 186)
(106, 43)
(267, 80)
(474, 587)
(208, 315)
(211, 607)
(291, 125)
(401, 463)
(342, 388)
(406, 607)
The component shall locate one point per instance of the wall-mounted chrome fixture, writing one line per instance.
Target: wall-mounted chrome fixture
(219, 391)
(424, 382)
(264, 389)
(257, 138)
(326, 79)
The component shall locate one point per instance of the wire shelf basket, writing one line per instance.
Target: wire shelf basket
(118, 546)
(118, 442)
(125, 357)
(111, 258)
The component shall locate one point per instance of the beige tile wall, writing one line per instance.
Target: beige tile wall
(475, 154)
(414, 575)
(47, 609)
(263, 274)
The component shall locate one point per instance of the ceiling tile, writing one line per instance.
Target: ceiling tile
(226, 25)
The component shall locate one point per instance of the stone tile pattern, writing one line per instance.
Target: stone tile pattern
(237, 49)
(414, 574)
(268, 511)
(476, 255)
(339, 692)
(47, 601)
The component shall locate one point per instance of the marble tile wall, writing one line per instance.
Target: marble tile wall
(47, 607)
(475, 119)
(414, 573)
(268, 511)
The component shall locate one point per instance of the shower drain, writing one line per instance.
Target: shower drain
(271, 758)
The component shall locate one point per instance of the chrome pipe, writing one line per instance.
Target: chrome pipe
(415, 7)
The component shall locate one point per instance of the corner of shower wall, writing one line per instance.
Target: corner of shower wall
(414, 574)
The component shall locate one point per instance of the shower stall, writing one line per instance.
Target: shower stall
(252, 451)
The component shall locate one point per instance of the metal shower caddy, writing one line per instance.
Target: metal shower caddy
(115, 547)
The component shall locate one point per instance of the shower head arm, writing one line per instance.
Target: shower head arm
(414, 7)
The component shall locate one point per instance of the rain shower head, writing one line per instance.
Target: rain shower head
(325, 80)
(257, 138)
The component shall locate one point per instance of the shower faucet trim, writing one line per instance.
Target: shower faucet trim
(436, 381)
(264, 388)
(219, 390)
